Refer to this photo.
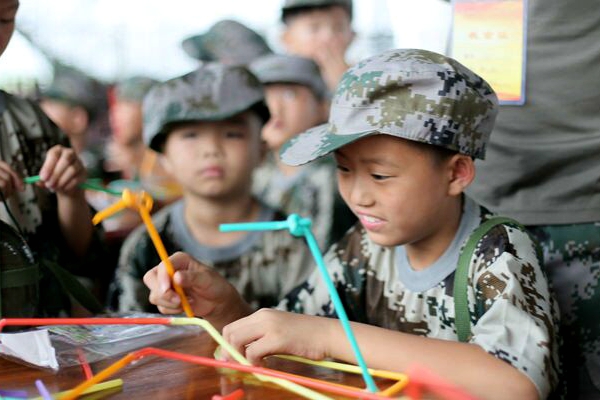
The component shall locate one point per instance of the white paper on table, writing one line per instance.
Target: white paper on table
(33, 347)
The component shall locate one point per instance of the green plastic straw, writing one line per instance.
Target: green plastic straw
(91, 184)
(301, 227)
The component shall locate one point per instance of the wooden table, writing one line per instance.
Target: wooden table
(169, 379)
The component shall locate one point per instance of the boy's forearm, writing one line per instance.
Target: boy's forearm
(75, 221)
(466, 365)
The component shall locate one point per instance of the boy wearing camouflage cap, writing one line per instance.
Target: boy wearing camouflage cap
(404, 127)
(320, 30)
(297, 99)
(52, 216)
(206, 125)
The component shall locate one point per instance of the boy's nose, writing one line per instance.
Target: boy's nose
(360, 195)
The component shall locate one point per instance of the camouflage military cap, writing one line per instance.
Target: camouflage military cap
(290, 5)
(213, 92)
(228, 42)
(279, 68)
(412, 94)
(134, 89)
(75, 88)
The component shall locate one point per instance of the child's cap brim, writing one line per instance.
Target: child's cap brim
(315, 143)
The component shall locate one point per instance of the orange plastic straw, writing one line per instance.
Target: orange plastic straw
(142, 203)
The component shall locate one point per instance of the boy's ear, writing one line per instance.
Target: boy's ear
(461, 172)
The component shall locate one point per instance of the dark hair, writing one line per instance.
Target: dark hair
(290, 13)
(438, 154)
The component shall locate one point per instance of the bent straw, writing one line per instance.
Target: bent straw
(265, 372)
(99, 387)
(142, 203)
(301, 227)
(89, 184)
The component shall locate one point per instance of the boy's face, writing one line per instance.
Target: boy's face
(318, 30)
(126, 122)
(8, 12)
(398, 190)
(215, 159)
(294, 109)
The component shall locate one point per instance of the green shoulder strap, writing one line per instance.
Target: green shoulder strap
(71, 285)
(461, 276)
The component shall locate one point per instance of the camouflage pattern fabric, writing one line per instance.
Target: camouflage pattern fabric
(228, 42)
(275, 263)
(290, 5)
(73, 87)
(572, 261)
(26, 134)
(412, 94)
(280, 68)
(213, 92)
(513, 315)
(134, 89)
(312, 193)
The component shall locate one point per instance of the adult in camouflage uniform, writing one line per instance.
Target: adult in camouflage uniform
(215, 113)
(228, 42)
(298, 99)
(405, 126)
(53, 216)
(543, 168)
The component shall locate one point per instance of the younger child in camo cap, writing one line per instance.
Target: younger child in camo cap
(404, 128)
(206, 126)
(298, 99)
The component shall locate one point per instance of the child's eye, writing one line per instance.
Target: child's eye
(378, 177)
(341, 168)
(234, 135)
(189, 135)
(7, 21)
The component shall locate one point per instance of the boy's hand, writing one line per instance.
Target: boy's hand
(209, 294)
(9, 180)
(268, 332)
(62, 171)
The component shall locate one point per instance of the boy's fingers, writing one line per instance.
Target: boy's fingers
(63, 166)
(52, 157)
(243, 332)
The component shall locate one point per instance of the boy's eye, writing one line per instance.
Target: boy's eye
(378, 177)
(189, 135)
(341, 168)
(234, 135)
(7, 21)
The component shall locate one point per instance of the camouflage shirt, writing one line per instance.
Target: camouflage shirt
(311, 193)
(263, 266)
(26, 134)
(513, 315)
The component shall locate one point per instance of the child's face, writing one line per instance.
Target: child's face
(215, 159)
(294, 109)
(399, 192)
(126, 122)
(8, 12)
(318, 29)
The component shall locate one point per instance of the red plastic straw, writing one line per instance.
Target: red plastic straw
(235, 395)
(210, 362)
(82, 321)
(85, 366)
(421, 379)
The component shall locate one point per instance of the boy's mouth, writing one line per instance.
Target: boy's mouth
(212, 172)
(370, 222)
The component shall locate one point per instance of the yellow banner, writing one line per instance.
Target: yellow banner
(489, 37)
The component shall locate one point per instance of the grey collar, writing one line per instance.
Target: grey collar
(212, 255)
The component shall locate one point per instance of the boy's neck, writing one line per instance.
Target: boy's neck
(425, 252)
(203, 217)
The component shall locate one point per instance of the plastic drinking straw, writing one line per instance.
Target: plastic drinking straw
(301, 227)
(142, 203)
(211, 362)
(99, 387)
(85, 366)
(19, 394)
(42, 389)
(89, 184)
(422, 378)
(235, 395)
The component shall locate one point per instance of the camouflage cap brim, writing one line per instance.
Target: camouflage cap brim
(315, 143)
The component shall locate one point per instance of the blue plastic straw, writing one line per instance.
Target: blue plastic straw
(42, 389)
(301, 227)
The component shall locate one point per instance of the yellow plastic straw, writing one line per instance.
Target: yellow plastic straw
(291, 386)
(112, 384)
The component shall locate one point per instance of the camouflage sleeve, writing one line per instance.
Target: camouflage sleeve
(514, 315)
(137, 256)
